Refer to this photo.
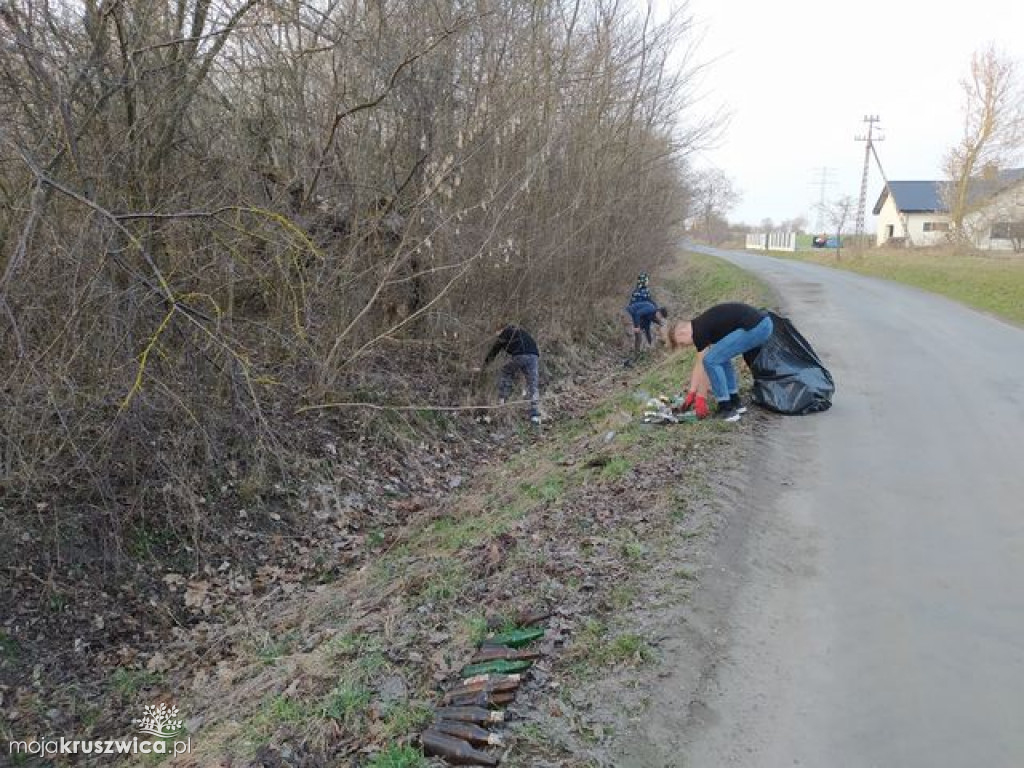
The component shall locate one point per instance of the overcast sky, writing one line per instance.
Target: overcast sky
(800, 75)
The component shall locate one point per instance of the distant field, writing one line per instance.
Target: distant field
(989, 283)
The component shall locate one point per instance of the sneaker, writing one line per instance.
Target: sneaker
(736, 403)
(535, 420)
(726, 412)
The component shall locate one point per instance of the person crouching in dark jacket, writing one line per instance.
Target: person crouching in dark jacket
(523, 358)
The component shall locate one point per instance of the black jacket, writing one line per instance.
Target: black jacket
(514, 341)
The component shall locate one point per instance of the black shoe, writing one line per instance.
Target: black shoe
(737, 404)
(726, 412)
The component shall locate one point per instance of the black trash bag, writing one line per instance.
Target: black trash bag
(788, 376)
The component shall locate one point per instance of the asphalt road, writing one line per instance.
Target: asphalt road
(879, 617)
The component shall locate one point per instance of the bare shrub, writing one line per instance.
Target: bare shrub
(217, 213)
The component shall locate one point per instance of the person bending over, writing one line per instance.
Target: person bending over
(642, 314)
(720, 333)
(523, 358)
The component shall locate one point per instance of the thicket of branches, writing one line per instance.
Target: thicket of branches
(216, 212)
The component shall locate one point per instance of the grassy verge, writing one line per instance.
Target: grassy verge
(990, 283)
(583, 523)
(704, 280)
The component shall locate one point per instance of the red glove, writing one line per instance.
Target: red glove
(701, 407)
(691, 396)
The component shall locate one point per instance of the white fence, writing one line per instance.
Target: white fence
(772, 241)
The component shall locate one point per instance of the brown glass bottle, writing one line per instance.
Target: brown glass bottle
(453, 749)
(466, 699)
(474, 734)
(496, 682)
(478, 699)
(469, 714)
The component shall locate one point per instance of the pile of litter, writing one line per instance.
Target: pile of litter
(664, 410)
(488, 683)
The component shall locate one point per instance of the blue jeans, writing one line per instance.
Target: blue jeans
(642, 313)
(718, 359)
(529, 367)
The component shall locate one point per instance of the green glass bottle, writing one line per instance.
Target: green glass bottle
(499, 666)
(516, 638)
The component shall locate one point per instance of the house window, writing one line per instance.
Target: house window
(936, 226)
(1008, 230)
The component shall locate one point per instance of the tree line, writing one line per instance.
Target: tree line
(216, 213)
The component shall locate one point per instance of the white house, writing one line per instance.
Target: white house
(999, 224)
(915, 212)
(911, 213)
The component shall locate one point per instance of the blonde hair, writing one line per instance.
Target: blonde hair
(670, 335)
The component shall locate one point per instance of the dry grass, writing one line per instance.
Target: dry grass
(525, 530)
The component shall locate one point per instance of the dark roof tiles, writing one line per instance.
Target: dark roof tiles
(926, 196)
(913, 196)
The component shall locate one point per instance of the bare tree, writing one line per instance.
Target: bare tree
(714, 196)
(837, 214)
(993, 131)
(798, 224)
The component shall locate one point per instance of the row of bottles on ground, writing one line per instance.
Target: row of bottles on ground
(489, 682)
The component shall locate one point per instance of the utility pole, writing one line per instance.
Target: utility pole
(822, 182)
(870, 138)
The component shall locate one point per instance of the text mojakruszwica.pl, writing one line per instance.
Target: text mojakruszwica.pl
(133, 746)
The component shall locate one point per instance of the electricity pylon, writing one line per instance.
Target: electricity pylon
(868, 149)
(823, 181)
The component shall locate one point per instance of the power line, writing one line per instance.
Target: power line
(868, 151)
(822, 182)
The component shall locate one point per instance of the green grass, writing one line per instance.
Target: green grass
(685, 574)
(449, 534)
(706, 280)
(9, 647)
(403, 718)
(349, 644)
(447, 580)
(616, 468)
(398, 757)
(990, 283)
(129, 682)
(632, 549)
(595, 647)
(280, 711)
(371, 664)
(627, 648)
(550, 488)
(273, 648)
(347, 703)
(475, 628)
(623, 596)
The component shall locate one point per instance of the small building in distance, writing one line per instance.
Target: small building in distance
(916, 213)
(911, 213)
